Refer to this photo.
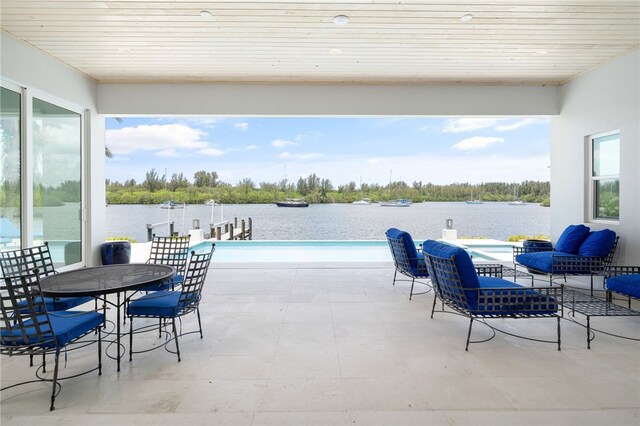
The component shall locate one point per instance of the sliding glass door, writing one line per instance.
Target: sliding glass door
(10, 137)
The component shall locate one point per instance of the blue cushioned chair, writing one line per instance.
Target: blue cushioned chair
(28, 328)
(18, 262)
(171, 304)
(405, 257)
(459, 287)
(577, 252)
(623, 280)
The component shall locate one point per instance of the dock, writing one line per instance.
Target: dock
(231, 231)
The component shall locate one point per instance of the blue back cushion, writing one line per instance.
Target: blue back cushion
(598, 243)
(409, 245)
(571, 238)
(466, 270)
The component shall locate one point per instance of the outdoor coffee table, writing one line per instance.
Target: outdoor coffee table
(101, 281)
(592, 306)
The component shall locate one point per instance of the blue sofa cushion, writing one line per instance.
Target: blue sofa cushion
(543, 262)
(409, 245)
(67, 326)
(518, 300)
(464, 265)
(598, 243)
(158, 304)
(628, 285)
(571, 238)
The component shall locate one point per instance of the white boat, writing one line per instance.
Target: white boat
(171, 205)
(472, 201)
(362, 202)
(402, 202)
(517, 203)
(211, 203)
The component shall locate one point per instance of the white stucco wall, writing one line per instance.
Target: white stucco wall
(30, 68)
(605, 99)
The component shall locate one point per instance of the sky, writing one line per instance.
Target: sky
(362, 150)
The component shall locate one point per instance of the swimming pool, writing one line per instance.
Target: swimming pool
(334, 251)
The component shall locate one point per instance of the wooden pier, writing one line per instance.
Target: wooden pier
(231, 231)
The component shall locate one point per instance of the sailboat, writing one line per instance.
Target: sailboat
(472, 201)
(291, 202)
(401, 202)
(516, 201)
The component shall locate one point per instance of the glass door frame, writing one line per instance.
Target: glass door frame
(27, 161)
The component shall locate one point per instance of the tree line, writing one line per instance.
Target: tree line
(206, 185)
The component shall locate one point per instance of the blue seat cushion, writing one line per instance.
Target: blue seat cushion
(165, 285)
(60, 303)
(628, 285)
(409, 244)
(571, 238)
(598, 243)
(543, 262)
(517, 300)
(67, 326)
(162, 304)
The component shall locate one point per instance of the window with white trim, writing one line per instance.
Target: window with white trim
(605, 176)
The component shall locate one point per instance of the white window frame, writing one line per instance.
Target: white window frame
(591, 196)
(26, 163)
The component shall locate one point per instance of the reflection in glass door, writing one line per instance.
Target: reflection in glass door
(57, 171)
(9, 169)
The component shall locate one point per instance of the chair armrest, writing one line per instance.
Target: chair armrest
(521, 250)
(614, 271)
(579, 264)
(489, 270)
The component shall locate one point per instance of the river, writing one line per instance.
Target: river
(496, 220)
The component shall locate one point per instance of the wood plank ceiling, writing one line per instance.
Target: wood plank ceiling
(388, 42)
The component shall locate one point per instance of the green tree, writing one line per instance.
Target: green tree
(152, 181)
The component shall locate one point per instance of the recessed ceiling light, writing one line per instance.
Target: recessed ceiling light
(466, 18)
(341, 20)
(205, 14)
(335, 51)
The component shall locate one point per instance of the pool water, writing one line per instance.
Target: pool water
(326, 251)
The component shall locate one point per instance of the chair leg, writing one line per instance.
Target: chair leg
(131, 339)
(159, 327)
(199, 322)
(55, 380)
(433, 308)
(99, 352)
(559, 332)
(411, 292)
(469, 335)
(44, 363)
(394, 276)
(175, 333)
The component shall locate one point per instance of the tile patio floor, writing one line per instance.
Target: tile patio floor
(342, 346)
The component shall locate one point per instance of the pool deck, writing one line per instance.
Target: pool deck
(306, 345)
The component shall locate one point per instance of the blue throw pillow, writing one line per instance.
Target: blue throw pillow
(598, 243)
(571, 238)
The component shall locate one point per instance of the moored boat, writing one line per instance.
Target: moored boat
(292, 202)
(362, 202)
(171, 205)
(402, 202)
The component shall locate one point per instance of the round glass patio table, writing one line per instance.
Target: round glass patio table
(100, 281)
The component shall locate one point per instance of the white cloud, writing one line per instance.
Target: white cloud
(167, 153)
(477, 142)
(304, 156)
(311, 134)
(461, 125)
(155, 137)
(212, 152)
(518, 124)
(241, 126)
(251, 147)
(281, 143)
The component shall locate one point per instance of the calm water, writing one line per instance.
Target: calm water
(340, 221)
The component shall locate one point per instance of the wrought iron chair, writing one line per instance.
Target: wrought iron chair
(171, 304)
(172, 251)
(459, 287)
(624, 281)
(18, 262)
(406, 259)
(28, 328)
